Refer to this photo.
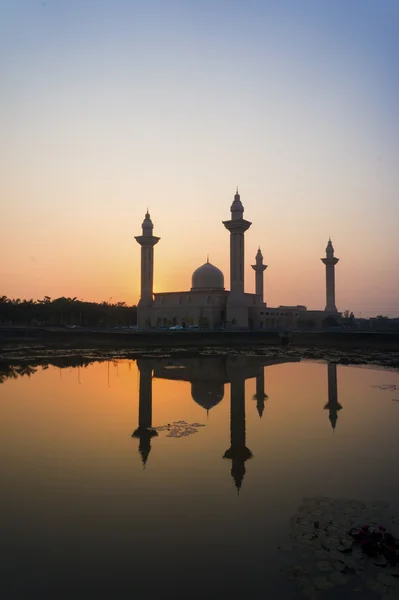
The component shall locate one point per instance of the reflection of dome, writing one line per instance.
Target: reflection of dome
(207, 393)
(207, 277)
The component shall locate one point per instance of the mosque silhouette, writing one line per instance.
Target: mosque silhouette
(208, 376)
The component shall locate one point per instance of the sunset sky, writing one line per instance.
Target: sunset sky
(110, 106)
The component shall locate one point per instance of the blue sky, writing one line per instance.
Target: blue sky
(110, 106)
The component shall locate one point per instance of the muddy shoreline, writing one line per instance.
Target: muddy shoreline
(82, 346)
(42, 355)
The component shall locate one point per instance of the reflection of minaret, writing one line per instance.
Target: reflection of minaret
(260, 395)
(144, 431)
(333, 405)
(238, 452)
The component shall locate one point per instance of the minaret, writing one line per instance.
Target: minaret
(330, 261)
(332, 405)
(237, 310)
(144, 431)
(238, 453)
(259, 268)
(147, 242)
(260, 395)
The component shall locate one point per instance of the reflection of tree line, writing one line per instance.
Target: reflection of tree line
(19, 369)
(65, 311)
(14, 371)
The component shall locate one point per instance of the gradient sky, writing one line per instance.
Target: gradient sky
(108, 106)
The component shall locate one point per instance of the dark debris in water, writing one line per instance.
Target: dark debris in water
(387, 386)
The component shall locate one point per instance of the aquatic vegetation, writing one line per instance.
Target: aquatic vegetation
(179, 429)
(347, 543)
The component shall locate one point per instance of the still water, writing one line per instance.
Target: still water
(178, 478)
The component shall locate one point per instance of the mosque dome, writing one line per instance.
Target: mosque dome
(207, 277)
(207, 393)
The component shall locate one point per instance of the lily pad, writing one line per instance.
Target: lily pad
(305, 588)
(338, 578)
(324, 565)
(386, 579)
(322, 554)
(285, 547)
(322, 583)
(380, 562)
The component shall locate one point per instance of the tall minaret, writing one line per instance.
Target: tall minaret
(144, 431)
(147, 242)
(330, 261)
(259, 268)
(237, 312)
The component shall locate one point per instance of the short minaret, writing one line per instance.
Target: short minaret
(259, 268)
(330, 261)
(147, 242)
(237, 313)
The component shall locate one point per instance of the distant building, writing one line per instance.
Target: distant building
(208, 304)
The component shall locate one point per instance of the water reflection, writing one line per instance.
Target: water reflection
(238, 452)
(69, 478)
(144, 431)
(8, 371)
(332, 405)
(260, 395)
(207, 377)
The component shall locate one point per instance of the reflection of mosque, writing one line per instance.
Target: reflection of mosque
(208, 376)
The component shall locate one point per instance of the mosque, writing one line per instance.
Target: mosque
(209, 305)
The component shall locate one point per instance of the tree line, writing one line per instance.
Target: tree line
(63, 312)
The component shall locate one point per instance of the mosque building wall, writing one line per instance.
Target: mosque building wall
(193, 308)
